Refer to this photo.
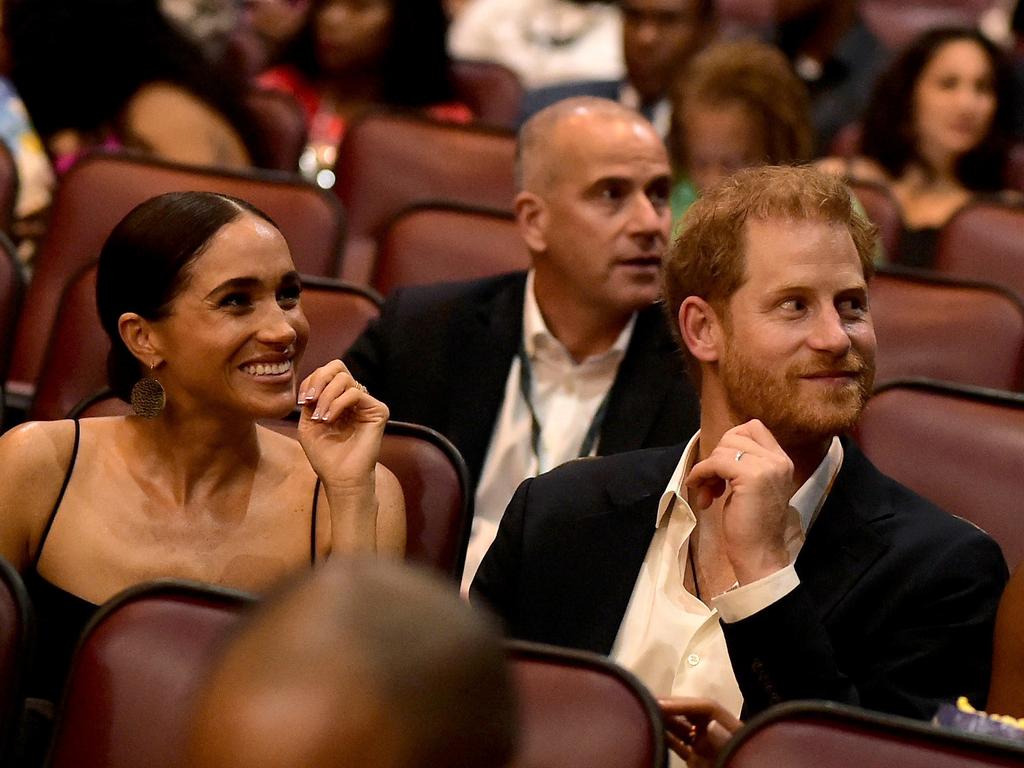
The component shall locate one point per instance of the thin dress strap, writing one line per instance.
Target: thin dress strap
(312, 535)
(60, 498)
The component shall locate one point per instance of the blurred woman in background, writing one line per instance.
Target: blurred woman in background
(118, 73)
(936, 132)
(353, 55)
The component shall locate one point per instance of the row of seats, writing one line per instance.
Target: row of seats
(141, 658)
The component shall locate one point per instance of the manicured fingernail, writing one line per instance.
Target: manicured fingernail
(316, 415)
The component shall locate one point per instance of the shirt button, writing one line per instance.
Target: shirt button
(693, 659)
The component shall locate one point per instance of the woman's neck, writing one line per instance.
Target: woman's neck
(196, 456)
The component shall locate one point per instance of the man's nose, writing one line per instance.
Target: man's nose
(649, 217)
(829, 333)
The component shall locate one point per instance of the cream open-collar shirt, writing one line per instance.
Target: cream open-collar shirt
(565, 396)
(672, 640)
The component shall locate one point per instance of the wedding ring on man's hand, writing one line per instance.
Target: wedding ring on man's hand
(739, 455)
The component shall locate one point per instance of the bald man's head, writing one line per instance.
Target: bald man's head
(543, 138)
(361, 664)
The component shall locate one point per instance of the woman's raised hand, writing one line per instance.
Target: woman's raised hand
(340, 427)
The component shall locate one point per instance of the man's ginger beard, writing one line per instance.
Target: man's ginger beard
(787, 405)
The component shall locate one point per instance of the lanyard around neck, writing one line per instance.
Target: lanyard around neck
(525, 388)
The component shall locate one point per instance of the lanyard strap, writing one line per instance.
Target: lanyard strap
(525, 388)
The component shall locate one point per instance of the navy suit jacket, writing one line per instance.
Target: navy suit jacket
(439, 355)
(894, 612)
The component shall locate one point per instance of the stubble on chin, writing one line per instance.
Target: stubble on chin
(783, 404)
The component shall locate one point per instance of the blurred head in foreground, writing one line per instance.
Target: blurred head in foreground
(359, 664)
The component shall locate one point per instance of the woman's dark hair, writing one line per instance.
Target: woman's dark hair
(77, 63)
(145, 263)
(889, 136)
(415, 70)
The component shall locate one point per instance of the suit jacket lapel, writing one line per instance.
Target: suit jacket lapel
(484, 339)
(842, 544)
(596, 593)
(644, 379)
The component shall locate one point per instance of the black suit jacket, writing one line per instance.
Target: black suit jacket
(440, 354)
(894, 612)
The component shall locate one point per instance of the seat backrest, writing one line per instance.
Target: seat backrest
(962, 448)
(438, 501)
(75, 365)
(816, 734)
(338, 312)
(984, 241)
(970, 333)
(883, 211)
(388, 162)
(492, 91)
(101, 188)
(281, 124)
(17, 630)
(138, 663)
(580, 710)
(437, 243)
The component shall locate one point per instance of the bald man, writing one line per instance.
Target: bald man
(359, 664)
(526, 371)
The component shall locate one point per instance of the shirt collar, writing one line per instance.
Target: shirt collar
(537, 333)
(807, 500)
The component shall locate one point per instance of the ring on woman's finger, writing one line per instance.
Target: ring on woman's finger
(362, 388)
(739, 455)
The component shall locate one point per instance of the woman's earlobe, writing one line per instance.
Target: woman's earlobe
(137, 334)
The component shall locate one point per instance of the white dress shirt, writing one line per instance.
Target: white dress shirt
(672, 640)
(565, 396)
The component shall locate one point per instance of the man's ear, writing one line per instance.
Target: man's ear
(139, 335)
(699, 328)
(532, 218)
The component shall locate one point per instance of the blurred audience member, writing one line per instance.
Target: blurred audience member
(658, 39)
(542, 41)
(528, 370)
(353, 55)
(208, 23)
(835, 53)
(937, 131)
(276, 23)
(118, 73)
(736, 105)
(200, 299)
(35, 174)
(359, 665)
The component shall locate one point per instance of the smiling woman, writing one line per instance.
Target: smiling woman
(200, 298)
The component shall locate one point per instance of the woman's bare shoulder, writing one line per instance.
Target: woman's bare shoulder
(175, 123)
(35, 457)
(37, 446)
